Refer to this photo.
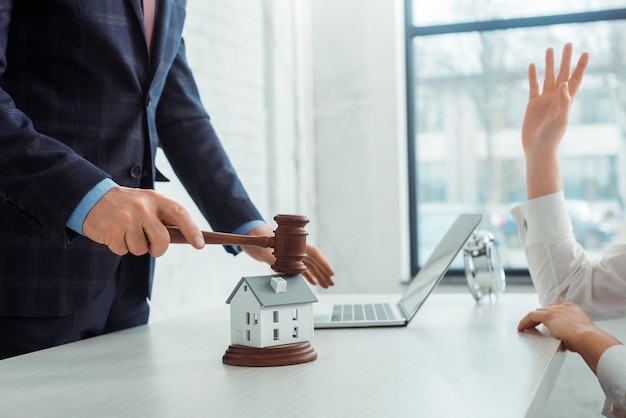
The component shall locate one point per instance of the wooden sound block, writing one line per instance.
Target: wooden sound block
(280, 355)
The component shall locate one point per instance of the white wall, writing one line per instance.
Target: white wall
(245, 57)
(360, 139)
(308, 99)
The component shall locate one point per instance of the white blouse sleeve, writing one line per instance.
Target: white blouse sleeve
(611, 373)
(559, 266)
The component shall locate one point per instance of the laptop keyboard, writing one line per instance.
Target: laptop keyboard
(362, 312)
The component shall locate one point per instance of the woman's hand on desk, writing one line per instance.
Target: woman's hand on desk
(574, 328)
(318, 272)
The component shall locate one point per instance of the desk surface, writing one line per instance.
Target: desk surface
(456, 359)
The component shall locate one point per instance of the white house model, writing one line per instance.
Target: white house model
(267, 311)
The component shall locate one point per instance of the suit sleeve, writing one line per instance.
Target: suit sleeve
(196, 154)
(39, 176)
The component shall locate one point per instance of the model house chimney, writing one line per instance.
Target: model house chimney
(278, 284)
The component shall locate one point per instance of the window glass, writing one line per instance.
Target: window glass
(470, 95)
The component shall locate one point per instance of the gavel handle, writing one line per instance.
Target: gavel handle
(176, 237)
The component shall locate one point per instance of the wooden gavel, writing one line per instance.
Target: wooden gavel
(288, 242)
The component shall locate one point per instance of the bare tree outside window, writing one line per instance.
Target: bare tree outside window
(468, 92)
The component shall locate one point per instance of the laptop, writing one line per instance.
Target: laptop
(351, 315)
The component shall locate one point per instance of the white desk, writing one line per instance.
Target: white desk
(456, 359)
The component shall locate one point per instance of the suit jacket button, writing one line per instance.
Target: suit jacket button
(136, 170)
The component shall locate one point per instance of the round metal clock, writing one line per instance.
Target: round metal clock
(483, 269)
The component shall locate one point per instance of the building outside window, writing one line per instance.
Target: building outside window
(467, 91)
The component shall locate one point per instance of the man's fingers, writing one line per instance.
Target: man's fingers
(309, 277)
(319, 267)
(158, 239)
(117, 245)
(133, 220)
(317, 273)
(316, 256)
(136, 241)
(172, 213)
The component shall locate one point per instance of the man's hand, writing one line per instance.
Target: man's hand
(133, 220)
(318, 269)
(319, 272)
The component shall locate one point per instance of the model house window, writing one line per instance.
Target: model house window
(245, 287)
(248, 335)
(275, 334)
(248, 318)
(256, 319)
(294, 314)
(295, 332)
(275, 315)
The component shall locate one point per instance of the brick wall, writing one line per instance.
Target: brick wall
(308, 98)
(244, 59)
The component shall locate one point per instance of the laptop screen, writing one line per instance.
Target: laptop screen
(438, 263)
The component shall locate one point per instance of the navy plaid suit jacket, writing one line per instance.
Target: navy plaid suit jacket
(81, 99)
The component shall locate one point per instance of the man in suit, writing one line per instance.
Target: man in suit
(89, 89)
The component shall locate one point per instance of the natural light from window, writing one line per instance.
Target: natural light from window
(470, 90)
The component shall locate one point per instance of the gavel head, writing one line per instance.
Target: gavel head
(290, 244)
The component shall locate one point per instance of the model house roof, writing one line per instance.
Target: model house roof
(297, 291)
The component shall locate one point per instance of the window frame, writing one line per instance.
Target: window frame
(457, 276)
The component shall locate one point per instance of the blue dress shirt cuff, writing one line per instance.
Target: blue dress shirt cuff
(243, 230)
(247, 227)
(77, 218)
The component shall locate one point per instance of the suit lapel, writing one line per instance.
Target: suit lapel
(166, 37)
(138, 9)
(166, 33)
(158, 34)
